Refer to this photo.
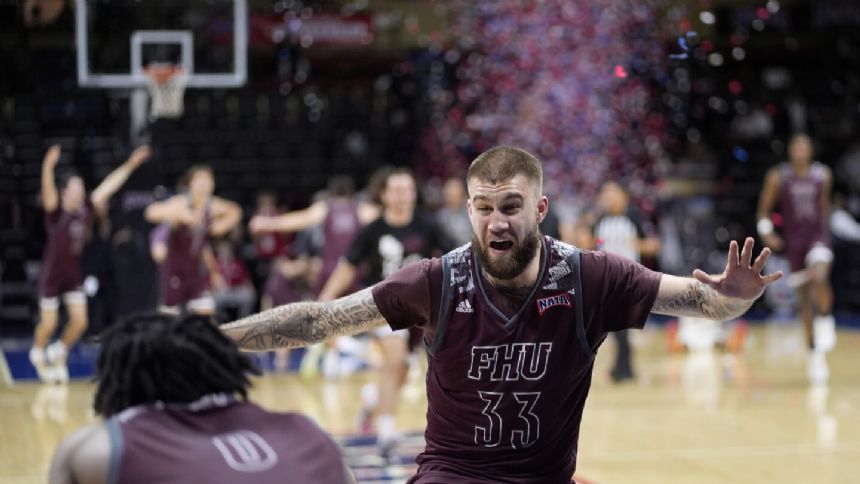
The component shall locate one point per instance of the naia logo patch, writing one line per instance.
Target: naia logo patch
(545, 303)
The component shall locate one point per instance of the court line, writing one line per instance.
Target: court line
(733, 451)
(4, 369)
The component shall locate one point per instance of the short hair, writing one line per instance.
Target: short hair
(185, 181)
(151, 357)
(504, 163)
(340, 186)
(379, 179)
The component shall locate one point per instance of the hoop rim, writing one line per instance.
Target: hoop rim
(163, 72)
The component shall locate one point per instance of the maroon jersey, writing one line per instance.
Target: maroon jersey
(61, 259)
(804, 224)
(184, 276)
(340, 226)
(220, 440)
(507, 379)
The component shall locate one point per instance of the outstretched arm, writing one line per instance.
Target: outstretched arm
(117, 178)
(50, 199)
(721, 297)
(226, 214)
(306, 323)
(294, 221)
(174, 210)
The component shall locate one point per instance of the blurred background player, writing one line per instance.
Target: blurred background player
(341, 217)
(192, 218)
(621, 229)
(68, 219)
(802, 189)
(402, 234)
(453, 216)
(235, 290)
(163, 379)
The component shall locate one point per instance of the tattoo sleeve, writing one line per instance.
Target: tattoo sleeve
(305, 323)
(702, 301)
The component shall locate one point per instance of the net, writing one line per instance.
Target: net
(166, 85)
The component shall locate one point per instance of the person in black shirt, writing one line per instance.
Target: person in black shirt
(402, 234)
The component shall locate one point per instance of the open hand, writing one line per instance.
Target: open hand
(741, 279)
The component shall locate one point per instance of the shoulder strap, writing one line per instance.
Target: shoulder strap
(116, 449)
(574, 260)
(444, 306)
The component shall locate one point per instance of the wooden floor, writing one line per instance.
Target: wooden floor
(700, 417)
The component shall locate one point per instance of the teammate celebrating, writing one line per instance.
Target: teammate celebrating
(68, 216)
(192, 218)
(173, 392)
(401, 235)
(802, 188)
(511, 323)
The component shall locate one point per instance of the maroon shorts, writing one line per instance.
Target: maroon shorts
(60, 280)
(178, 289)
(797, 250)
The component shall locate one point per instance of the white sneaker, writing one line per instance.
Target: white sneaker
(824, 333)
(40, 363)
(817, 370)
(56, 354)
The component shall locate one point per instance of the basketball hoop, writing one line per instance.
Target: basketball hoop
(166, 85)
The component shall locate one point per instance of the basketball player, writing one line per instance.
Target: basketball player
(802, 189)
(193, 217)
(341, 218)
(511, 324)
(173, 393)
(620, 229)
(400, 236)
(68, 216)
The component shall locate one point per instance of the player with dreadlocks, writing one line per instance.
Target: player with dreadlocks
(173, 392)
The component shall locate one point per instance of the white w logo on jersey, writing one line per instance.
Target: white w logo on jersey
(245, 451)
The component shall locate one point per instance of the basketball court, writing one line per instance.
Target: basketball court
(700, 417)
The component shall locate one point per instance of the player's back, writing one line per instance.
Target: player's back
(220, 440)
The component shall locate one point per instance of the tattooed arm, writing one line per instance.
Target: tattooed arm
(306, 323)
(721, 297)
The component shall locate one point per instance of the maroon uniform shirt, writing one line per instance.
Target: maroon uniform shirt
(507, 379)
(61, 259)
(340, 226)
(184, 276)
(219, 440)
(804, 225)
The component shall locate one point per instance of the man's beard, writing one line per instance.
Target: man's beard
(509, 265)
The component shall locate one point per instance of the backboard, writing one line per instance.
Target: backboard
(117, 39)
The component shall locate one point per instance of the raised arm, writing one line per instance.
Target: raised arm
(294, 221)
(226, 214)
(722, 297)
(306, 323)
(118, 177)
(50, 198)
